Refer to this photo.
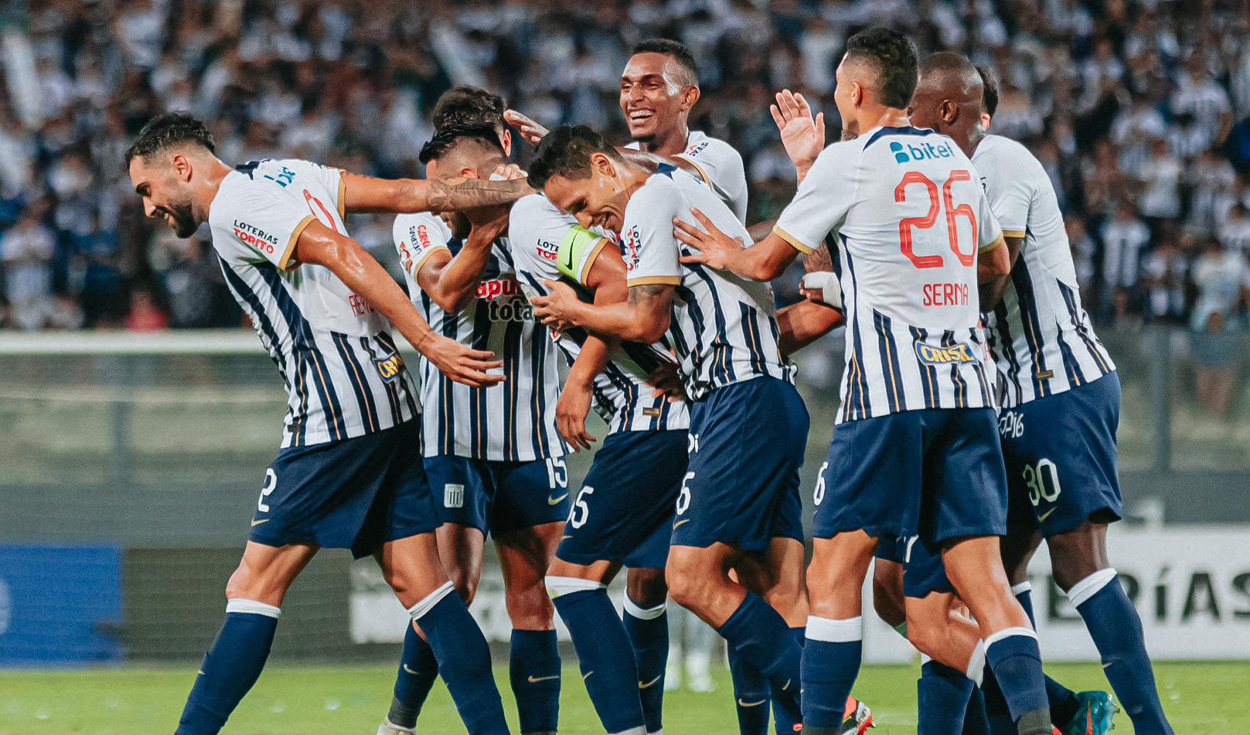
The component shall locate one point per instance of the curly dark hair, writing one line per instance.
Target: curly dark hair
(461, 106)
(893, 56)
(566, 152)
(446, 139)
(169, 129)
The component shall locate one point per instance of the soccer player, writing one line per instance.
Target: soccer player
(623, 513)
(344, 477)
(493, 456)
(737, 492)
(916, 425)
(1060, 398)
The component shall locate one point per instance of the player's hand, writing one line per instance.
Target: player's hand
(819, 261)
(571, 411)
(715, 248)
(556, 308)
(461, 364)
(529, 130)
(667, 382)
(508, 172)
(802, 135)
(822, 288)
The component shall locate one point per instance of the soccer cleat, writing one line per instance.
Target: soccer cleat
(390, 728)
(857, 718)
(1094, 717)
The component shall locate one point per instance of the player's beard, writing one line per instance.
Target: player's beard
(184, 223)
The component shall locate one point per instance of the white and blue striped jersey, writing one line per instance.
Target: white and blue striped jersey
(514, 420)
(621, 395)
(343, 374)
(1040, 336)
(905, 219)
(720, 166)
(723, 328)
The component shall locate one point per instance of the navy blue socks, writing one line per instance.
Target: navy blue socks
(417, 671)
(1014, 657)
(944, 694)
(761, 637)
(830, 665)
(230, 667)
(534, 670)
(647, 628)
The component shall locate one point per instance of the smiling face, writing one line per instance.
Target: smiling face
(597, 200)
(164, 183)
(652, 96)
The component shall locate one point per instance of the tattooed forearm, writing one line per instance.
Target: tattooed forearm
(643, 295)
(819, 261)
(459, 194)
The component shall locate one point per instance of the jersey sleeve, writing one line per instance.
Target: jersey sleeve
(252, 222)
(1010, 190)
(990, 232)
(651, 252)
(535, 230)
(822, 200)
(720, 167)
(330, 179)
(417, 237)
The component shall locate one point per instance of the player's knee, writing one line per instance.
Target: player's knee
(686, 585)
(530, 608)
(465, 582)
(925, 631)
(646, 587)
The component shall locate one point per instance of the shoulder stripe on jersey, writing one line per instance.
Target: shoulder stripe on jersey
(889, 361)
(1023, 282)
(928, 373)
(905, 130)
(363, 398)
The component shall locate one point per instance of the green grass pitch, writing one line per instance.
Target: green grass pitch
(1200, 698)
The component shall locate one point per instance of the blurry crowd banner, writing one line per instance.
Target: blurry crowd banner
(60, 604)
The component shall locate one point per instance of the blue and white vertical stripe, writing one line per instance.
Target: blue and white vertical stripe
(339, 386)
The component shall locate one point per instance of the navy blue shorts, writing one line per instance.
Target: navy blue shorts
(498, 497)
(624, 510)
(742, 485)
(923, 568)
(1060, 453)
(933, 473)
(353, 494)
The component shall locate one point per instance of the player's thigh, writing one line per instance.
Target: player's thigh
(412, 567)
(887, 586)
(524, 557)
(975, 569)
(698, 581)
(937, 630)
(778, 575)
(265, 573)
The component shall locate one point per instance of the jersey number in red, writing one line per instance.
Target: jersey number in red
(953, 212)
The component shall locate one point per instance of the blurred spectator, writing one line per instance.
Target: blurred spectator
(27, 251)
(1136, 100)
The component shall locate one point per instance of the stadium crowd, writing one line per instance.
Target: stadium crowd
(1140, 111)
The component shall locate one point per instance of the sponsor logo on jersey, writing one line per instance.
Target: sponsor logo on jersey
(389, 366)
(630, 252)
(906, 153)
(548, 250)
(696, 149)
(284, 177)
(254, 236)
(504, 300)
(957, 353)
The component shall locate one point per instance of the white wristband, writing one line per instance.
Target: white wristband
(827, 283)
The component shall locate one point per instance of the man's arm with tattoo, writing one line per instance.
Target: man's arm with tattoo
(363, 194)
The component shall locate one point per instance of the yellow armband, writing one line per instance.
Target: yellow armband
(577, 251)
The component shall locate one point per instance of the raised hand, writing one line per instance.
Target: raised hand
(531, 131)
(715, 249)
(802, 135)
(461, 364)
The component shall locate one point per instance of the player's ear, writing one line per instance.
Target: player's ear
(505, 140)
(469, 173)
(689, 97)
(948, 111)
(857, 94)
(182, 166)
(603, 164)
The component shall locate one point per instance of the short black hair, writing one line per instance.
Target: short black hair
(462, 106)
(676, 50)
(566, 152)
(893, 56)
(449, 137)
(990, 81)
(167, 130)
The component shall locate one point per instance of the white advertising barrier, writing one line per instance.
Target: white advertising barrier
(1191, 586)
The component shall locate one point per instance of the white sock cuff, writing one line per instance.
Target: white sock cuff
(252, 607)
(1009, 632)
(644, 613)
(1021, 588)
(558, 586)
(976, 664)
(1090, 586)
(835, 631)
(432, 599)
